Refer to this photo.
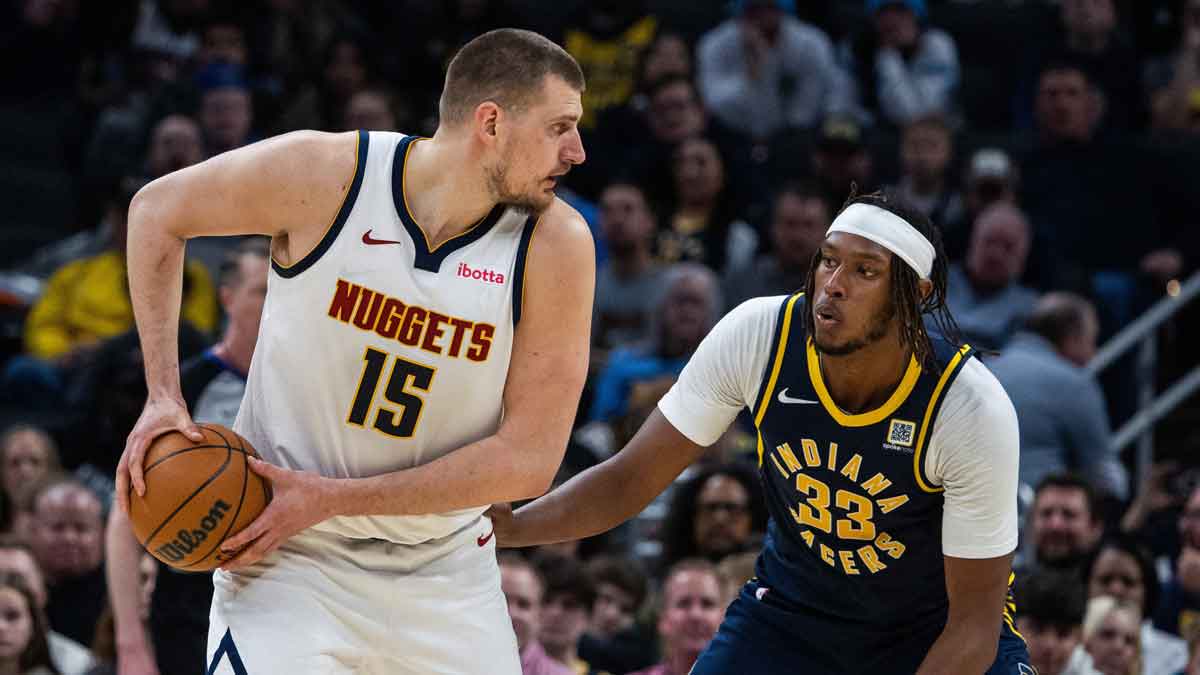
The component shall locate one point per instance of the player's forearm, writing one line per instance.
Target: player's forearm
(123, 555)
(961, 650)
(155, 261)
(488, 471)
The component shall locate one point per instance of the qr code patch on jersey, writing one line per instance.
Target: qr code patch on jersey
(901, 432)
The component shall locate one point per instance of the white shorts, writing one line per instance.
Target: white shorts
(325, 604)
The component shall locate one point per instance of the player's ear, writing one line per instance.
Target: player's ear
(924, 287)
(487, 116)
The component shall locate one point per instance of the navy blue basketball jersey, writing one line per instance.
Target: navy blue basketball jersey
(854, 547)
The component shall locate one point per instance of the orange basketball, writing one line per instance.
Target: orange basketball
(197, 496)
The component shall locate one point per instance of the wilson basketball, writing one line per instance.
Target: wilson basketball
(197, 496)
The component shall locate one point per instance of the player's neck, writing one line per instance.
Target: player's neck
(564, 654)
(866, 379)
(444, 196)
(680, 662)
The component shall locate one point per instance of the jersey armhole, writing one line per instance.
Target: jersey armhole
(924, 480)
(331, 233)
(518, 286)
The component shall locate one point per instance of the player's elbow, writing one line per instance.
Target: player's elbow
(538, 479)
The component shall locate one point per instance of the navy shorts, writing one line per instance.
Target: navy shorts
(760, 638)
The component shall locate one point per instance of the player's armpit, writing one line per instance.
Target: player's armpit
(290, 185)
(551, 346)
(976, 589)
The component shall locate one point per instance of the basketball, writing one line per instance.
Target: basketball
(197, 496)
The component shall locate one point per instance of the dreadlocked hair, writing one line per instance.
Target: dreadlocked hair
(907, 302)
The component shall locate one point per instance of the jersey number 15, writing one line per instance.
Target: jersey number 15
(400, 421)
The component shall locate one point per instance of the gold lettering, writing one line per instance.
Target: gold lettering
(827, 555)
(775, 459)
(851, 469)
(877, 483)
(871, 559)
(812, 456)
(832, 457)
(889, 545)
(847, 558)
(807, 536)
(789, 457)
(891, 503)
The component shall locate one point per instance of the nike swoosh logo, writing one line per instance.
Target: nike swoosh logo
(784, 398)
(368, 239)
(482, 541)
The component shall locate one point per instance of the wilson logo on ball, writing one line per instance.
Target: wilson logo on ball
(188, 540)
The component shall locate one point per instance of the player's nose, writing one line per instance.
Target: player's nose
(573, 151)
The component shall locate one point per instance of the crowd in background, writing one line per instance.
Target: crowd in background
(1055, 144)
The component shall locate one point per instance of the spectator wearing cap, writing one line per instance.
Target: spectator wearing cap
(226, 107)
(905, 70)
(991, 177)
(926, 150)
(841, 160)
(764, 70)
(798, 224)
(1060, 431)
(984, 293)
(692, 609)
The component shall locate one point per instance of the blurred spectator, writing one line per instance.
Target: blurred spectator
(27, 455)
(735, 571)
(667, 55)
(692, 609)
(991, 177)
(701, 222)
(1064, 526)
(840, 161)
(212, 385)
(1179, 611)
(85, 302)
(904, 69)
(717, 513)
(689, 306)
(613, 641)
(764, 70)
(69, 656)
(23, 646)
(674, 112)
(1076, 185)
(1121, 569)
(798, 224)
(1110, 636)
(1175, 97)
(67, 540)
(1059, 431)
(607, 38)
(345, 70)
(223, 40)
(371, 108)
(926, 150)
(985, 295)
(1090, 38)
(627, 283)
(566, 606)
(523, 587)
(226, 107)
(1050, 608)
(175, 143)
(104, 646)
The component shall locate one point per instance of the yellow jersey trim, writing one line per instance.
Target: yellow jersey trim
(404, 198)
(911, 375)
(780, 350)
(951, 368)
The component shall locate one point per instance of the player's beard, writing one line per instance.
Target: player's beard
(498, 184)
(875, 332)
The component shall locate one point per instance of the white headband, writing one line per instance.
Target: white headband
(889, 231)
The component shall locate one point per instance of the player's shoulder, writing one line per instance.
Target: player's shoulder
(307, 152)
(977, 395)
(560, 232)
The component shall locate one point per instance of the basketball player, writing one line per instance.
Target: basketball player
(423, 347)
(212, 385)
(888, 459)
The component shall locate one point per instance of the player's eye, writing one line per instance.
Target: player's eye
(828, 263)
(868, 272)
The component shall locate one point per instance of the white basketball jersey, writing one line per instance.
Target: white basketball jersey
(377, 353)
